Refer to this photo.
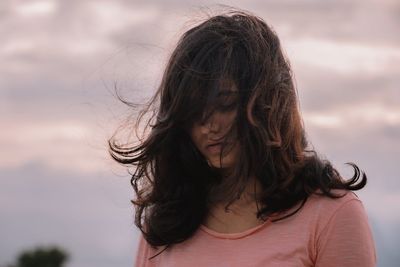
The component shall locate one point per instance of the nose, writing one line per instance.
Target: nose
(213, 124)
(210, 125)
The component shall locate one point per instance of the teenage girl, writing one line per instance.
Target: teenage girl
(226, 176)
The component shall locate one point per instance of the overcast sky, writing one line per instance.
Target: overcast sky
(59, 63)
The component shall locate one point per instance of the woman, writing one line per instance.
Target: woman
(225, 176)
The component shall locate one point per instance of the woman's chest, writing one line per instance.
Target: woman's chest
(271, 250)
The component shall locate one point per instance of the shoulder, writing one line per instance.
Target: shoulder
(349, 207)
(325, 213)
(144, 253)
(319, 209)
(326, 206)
(342, 227)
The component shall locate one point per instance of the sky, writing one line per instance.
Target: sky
(62, 59)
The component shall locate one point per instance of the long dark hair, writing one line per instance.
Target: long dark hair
(174, 185)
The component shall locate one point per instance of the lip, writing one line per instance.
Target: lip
(214, 148)
(213, 144)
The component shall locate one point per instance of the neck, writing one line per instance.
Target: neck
(241, 214)
(251, 192)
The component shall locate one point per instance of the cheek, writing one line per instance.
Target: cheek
(195, 136)
(229, 119)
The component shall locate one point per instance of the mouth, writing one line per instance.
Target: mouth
(214, 144)
(214, 148)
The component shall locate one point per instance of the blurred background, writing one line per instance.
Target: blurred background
(60, 61)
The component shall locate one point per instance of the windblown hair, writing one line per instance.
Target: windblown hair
(174, 185)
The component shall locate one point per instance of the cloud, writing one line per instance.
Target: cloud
(324, 90)
(371, 22)
(33, 9)
(60, 60)
(90, 216)
(345, 58)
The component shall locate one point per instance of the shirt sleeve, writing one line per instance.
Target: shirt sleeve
(346, 240)
(143, 253)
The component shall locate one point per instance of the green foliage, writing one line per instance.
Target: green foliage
(42, 257)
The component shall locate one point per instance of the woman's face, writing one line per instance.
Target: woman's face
(208, 135)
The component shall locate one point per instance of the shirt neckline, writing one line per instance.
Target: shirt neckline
(233, 235)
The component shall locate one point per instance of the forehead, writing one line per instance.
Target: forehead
(205, 98)
(222, 89)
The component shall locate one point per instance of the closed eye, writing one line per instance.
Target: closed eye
(228, 107)
(228, 102)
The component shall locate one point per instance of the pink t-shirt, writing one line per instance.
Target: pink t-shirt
(325, 232)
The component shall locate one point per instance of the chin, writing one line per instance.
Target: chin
(216, 164)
